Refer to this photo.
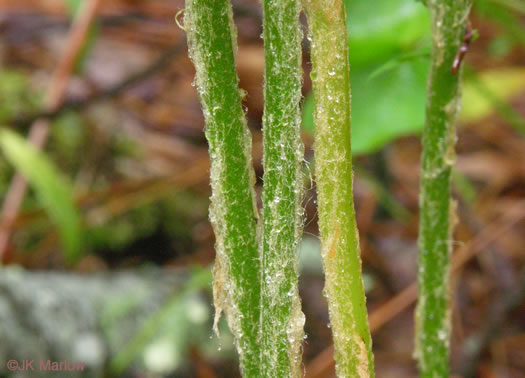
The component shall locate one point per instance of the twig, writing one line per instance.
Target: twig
(476, 344)
(157, 65)
(39, 130)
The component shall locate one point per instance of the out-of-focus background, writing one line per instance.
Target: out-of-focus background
(107, 260)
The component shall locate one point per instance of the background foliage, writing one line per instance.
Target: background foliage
(123, 181)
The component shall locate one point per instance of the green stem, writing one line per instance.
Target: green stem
(281, 317)
(211, 35)
(333, 172)
(437, 212)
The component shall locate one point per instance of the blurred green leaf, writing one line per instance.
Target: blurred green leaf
(384, 29)
(176, 308)
(53, 190)
(514, 5)
(393, 63)
(483, 93)
(510, 22)
(17, 96)
(385, 106)
(392, 103)
(389, 63)
(389, 56)
(73, 6)
(500, 47)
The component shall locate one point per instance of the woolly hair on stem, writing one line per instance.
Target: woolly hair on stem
(437, 211)
(333, 173)
(281, 317)
(236, 287)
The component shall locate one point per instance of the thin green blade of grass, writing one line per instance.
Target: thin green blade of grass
(75, 7)
(333, 172)
(211, 39)
(281, 317)
(54, 191)
(437, 211)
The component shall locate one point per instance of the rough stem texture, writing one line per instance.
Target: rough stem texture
(333, 172)
(437, 211)
(281, 317)
(233, 213)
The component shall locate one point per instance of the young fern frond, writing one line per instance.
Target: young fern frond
(333, 173)
(233, 213)
(437, 211)
(281, 317)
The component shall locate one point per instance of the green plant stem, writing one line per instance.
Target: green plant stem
(333, 172)
(233, 212)
(281, 317)
(437, 211)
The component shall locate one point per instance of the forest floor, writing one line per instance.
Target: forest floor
(143, 141)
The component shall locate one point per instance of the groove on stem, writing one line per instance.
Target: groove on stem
(281, 317)
(333, 171)
(437, 211)
(233, 213)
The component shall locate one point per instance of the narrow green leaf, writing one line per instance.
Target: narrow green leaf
(74, 7)
(396, 62)
(53, 190)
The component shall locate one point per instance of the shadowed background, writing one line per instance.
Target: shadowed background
(107, 259)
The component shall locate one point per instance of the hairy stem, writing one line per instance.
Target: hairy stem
(211, 39)
(333, 172)
(281, 317)
(437, 211)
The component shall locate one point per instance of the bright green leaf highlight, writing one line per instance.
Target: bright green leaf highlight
(386, 106)
(389, 70)
(389, 99)
(386, 28)
(503, 84)
(53, 190)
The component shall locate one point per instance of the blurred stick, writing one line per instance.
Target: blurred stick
(323, 364)
(40, 128)
(79, 104)
(477, 343)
